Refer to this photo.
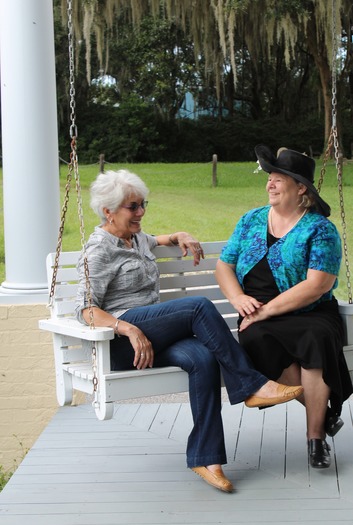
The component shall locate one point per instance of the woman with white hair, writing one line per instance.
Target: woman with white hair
(188, 332)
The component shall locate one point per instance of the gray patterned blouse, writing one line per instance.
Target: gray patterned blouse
(120, 278)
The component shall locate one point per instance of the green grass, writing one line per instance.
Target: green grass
(182, 198)
(6, 474)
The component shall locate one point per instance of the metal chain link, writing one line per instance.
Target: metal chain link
(334, 61)
(74, 161)
(338, 159)
(337, 152)
(327, 155)
(73, 169)
(70, 34)
(333, 146)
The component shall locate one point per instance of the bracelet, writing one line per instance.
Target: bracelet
(171, 240)
(115, 328)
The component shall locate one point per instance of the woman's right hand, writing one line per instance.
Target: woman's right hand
(228, 282)
(144, 354)
(245, 304)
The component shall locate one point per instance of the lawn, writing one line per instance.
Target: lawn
(182, 197)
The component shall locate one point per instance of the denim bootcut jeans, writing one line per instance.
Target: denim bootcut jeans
(192, 334)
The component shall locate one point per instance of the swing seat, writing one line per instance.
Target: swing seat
(73, 341)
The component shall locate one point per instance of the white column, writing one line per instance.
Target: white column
(29, 143)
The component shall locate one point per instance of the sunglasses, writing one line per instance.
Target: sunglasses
(134, 206)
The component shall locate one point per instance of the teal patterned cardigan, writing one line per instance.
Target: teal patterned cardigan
(313, 243)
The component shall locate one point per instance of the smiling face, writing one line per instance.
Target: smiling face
(283, 191)
(126, 220)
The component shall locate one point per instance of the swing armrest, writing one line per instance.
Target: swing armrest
(346, 311)
(71, 327)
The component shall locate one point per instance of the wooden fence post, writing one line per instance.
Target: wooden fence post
(101, 163)
(214, 170)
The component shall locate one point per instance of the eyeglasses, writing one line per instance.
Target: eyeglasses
(134, 206)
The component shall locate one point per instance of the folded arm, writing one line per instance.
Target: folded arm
(302, 294)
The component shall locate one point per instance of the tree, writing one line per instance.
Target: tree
(242, 49)
(155, 63)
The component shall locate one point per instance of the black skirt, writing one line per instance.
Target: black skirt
(313, 340)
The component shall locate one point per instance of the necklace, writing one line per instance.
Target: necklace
(272, 231)
(128, 243)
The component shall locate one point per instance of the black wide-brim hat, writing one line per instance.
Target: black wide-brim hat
(297, 165)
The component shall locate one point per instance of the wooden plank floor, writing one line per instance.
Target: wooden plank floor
(131, 470)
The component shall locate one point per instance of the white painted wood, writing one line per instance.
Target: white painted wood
(348, 354)
(131, 469)
(29, 185)
(71, 327)
(73, 341)
(179, 278)
(346, 311)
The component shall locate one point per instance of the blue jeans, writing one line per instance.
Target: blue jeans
(171, 327)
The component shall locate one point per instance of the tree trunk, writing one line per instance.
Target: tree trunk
(317, 49)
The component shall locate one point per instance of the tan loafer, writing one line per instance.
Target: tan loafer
(283, 395)
(216, 479)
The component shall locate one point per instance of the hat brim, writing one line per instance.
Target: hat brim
(267, 162)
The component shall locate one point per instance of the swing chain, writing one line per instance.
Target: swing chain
(333, 146)
(338, 161)
(334, 71)
(327, 155)
(344, 235)
(73, 127)
(337, 152)
(73, 168)
(60, 236)
(70, 166)
(74, 163)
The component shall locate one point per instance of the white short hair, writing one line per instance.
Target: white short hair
(112, 188)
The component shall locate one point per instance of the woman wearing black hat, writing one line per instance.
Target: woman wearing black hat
(279, 269)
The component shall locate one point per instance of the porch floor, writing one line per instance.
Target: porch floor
(131, 470)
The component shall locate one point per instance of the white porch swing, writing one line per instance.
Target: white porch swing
(82, 356)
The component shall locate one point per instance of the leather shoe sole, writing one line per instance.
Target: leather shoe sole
(332, 425)
(283, 395)
(216, 479)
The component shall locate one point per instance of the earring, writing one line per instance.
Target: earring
(110, 221)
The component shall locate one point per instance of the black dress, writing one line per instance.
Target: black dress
(313, 339)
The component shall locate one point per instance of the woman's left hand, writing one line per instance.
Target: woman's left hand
(259, 315)
(187, 242)
(144, 354)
